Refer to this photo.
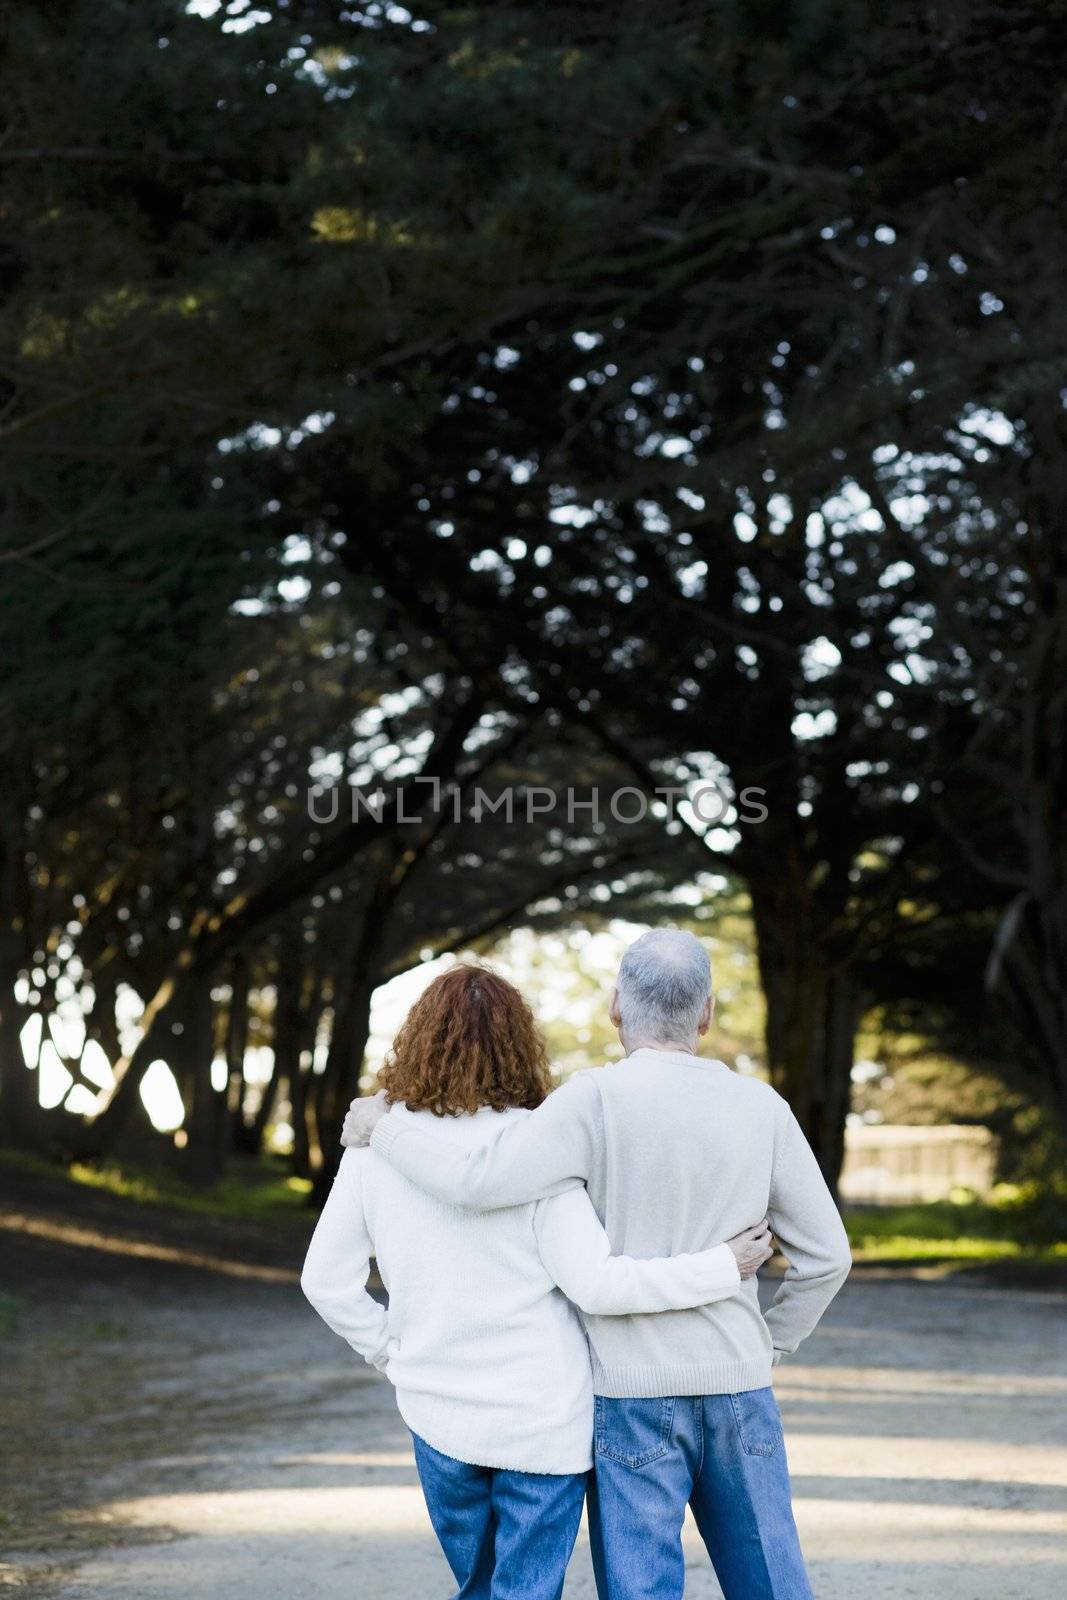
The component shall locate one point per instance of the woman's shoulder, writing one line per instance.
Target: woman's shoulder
(353, 1160)
(463, 1119)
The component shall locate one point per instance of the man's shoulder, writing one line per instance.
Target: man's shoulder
(758, 1088)
(587, 1088)
(711, 1083)
(579, 1088)
(758, 1095)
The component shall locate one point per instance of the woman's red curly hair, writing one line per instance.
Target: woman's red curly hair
(470, 1040)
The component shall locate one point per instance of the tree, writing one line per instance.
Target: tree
(750, 347)
(593, 407)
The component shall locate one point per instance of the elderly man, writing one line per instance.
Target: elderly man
(677, 1153)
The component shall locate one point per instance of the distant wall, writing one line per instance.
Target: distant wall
(889, 1164)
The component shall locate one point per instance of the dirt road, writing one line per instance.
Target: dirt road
(178, 1424)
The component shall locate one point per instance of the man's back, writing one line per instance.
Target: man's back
(686, 1159)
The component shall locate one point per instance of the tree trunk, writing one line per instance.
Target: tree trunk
(204, 1160)
(21, 1118)
(234, 1131)
(354, 983)
(296, 1018)
(1027, 973)
(1028, 965)
(253, 1132)
(101, 1023)
(94, 1139)
(813, 1011)
(340, 1081)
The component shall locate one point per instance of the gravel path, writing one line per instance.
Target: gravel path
(180, 1431)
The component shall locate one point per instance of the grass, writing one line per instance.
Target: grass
(1017, 1224)
(1027, 1224)
(10, 1311)
(252, 1190)
(81, 1332)
(255, 1191)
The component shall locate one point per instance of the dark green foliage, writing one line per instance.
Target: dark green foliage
(676, 388)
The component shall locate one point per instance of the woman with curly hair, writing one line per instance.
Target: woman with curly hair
(481, 1339)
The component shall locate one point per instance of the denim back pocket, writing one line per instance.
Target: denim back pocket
(759, 1423)
(633, 1432)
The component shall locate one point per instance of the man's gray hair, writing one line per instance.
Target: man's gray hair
(664, 985)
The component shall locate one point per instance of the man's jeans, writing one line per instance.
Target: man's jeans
(507, 1535)
(721, 1453)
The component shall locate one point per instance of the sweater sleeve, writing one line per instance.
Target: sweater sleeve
(577, 1254)
(337, 1267)
(527, 1159)
(808, 1225)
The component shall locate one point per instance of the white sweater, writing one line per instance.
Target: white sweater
(677, 1151)
(487, 1355)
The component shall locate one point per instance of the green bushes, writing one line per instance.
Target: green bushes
(1027, 1220)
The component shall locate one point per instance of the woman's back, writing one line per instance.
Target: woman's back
(488, 1356)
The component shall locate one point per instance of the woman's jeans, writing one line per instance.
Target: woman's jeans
(507, 1535)
(723, 1454)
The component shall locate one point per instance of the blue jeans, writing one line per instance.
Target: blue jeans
(507, 1535)
(724, 1455)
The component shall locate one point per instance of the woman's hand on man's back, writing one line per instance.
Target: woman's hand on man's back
(751, 1248)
